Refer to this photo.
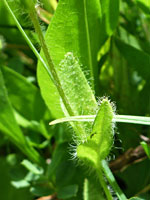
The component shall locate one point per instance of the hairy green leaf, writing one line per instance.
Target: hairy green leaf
(100, 141)
(76, 88)
(77, 91)
(78, 37)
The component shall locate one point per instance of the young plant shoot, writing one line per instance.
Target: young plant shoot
(85, 52)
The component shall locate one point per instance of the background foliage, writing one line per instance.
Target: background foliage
(112, 41)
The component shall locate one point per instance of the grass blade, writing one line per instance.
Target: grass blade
(112, 181)
(117, 118)
(27, 39)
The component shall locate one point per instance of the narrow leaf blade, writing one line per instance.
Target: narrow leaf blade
(26, 98)
(9, 126)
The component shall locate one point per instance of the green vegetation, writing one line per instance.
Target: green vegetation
(74, 99)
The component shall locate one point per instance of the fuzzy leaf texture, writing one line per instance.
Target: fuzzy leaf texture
(72, 29)
(100, 141)
(77, 89)
(80, 36)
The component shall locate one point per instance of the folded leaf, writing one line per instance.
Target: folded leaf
(100, 141)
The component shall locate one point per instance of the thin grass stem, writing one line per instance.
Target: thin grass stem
(117, 118)
(103, 184)
(28, 40)
(111, 179)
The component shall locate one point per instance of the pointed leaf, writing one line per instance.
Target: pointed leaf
(76, 88)
(100, 141)
(77, 91)
(78, 37)
(102, 133)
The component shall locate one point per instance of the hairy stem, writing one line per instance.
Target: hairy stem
(56, 79)
(38, 30)
(50, 68)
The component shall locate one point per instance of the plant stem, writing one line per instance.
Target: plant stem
(103, 184)
(56, 79)
(112, 181)
(27, 39)
(50, 69)
(116, 118)
(38, 30)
